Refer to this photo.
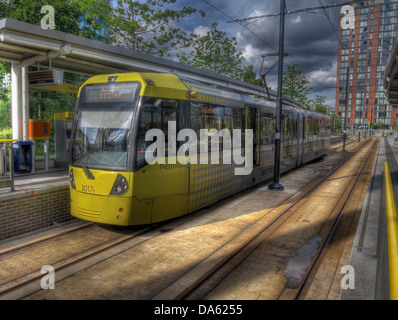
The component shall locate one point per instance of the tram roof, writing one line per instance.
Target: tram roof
(391, 76)
(27, 44)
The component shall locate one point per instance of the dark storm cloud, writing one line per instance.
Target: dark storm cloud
(309, 37)
(310, 41)
(306, 36)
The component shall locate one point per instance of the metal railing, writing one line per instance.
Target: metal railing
(7, 167)
(392, 233)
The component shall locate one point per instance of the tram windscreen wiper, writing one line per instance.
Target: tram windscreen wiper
(87, 170)
(89, 174)
(82, 156)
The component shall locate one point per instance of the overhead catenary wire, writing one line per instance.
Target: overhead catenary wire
(330, 22)
(308, 10)
(270, 46)
(244, 26)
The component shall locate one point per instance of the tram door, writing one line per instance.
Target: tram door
(253, 122)
(300, 138)
(165, 181)
(287, 134)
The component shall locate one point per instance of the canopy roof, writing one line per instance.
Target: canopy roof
(27, 44)
(391, 76)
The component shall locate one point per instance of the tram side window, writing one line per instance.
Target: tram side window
(168, 115)
(309, 127)
(156, 114)
(197, 118)
(206, 116)
(149, 120)
(227, 122)
(267, 130)
(238, 122)
(214, 117)
(317, 129)
(237, 119)
(288, 126)
(294, 126)
(322, 128)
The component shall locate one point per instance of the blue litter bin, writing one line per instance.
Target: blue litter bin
(22, 156)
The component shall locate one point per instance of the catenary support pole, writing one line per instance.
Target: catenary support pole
(276, 185)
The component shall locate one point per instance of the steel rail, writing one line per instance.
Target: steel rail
(44, 238)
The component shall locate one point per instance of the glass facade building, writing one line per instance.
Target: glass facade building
(364, 48)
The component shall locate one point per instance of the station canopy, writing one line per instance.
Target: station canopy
(391, 76)
(26, 44)
(23, 45)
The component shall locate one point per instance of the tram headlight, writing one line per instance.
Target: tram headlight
(72, 179)
(120, 186)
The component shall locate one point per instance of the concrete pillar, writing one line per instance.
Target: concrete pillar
(25, 104)
(16, 98)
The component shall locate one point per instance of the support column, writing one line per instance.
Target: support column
(25, 104)
(16, 98)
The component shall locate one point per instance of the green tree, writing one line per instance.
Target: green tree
(336, 123)
(148, 26)
(248, 75)
(295, 85)
(318, 104)
(67, 13)
(215, 52)
(5, 108)
(96, 16)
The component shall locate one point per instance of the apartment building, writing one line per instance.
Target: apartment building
(364, 48)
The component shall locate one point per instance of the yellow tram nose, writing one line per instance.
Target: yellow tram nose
(101, 209)
(106, 197)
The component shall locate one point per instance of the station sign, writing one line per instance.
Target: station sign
(45, 77)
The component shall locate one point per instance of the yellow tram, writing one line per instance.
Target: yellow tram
(113, 182)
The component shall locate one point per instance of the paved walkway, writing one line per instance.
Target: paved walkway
(369, 253)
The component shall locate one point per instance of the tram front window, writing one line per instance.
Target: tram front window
(102, 127)
(101, 139)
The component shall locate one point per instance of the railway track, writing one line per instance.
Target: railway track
(28, 283)
(195, 282)
(23, 245)
(341, 235)
(199, 282)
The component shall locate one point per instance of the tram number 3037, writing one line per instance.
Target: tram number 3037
(87, 189)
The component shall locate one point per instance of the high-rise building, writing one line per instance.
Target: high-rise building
(364, 47)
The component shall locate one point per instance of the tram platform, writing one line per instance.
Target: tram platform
(33, 182)
(369, 252)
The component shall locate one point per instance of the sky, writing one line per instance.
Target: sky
(310, 38)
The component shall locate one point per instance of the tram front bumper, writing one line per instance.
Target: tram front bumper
(122, 211)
